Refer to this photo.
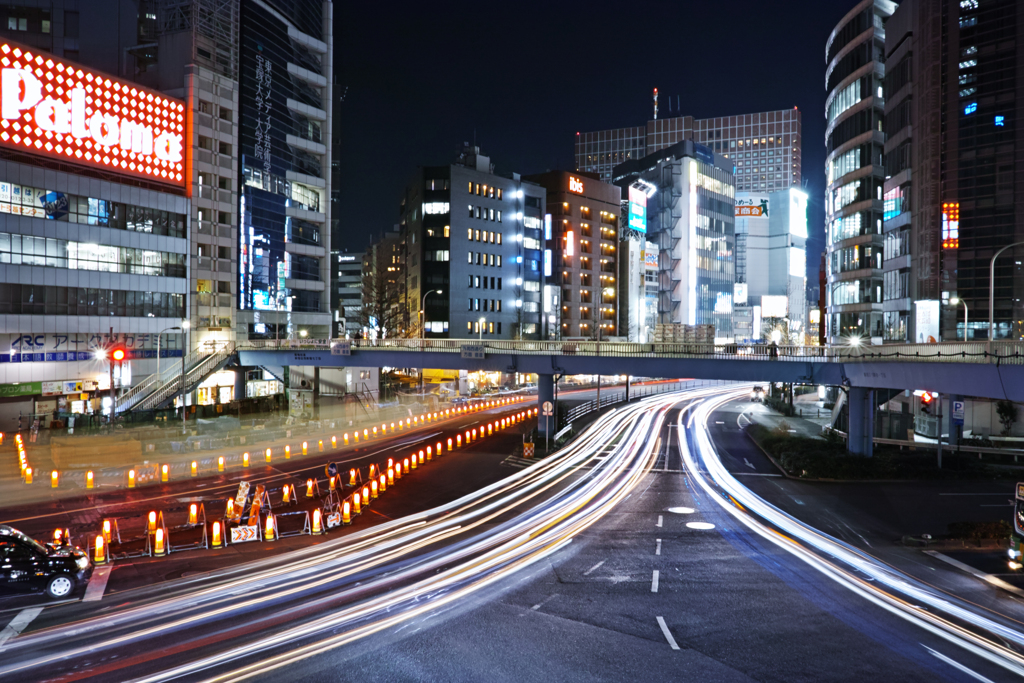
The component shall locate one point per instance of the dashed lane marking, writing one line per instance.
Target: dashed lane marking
(19, 623)
(667, 633)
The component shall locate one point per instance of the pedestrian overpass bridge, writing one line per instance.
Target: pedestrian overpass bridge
(977, 369)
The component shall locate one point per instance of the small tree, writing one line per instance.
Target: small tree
(1007, 413)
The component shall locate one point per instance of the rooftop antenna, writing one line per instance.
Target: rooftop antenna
(655, 104)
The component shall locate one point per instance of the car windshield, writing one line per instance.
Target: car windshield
(31, 542)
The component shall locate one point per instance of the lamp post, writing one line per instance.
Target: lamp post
(992, 289)
(158, 336)
(185, 325)
(423, 311)
(957, 300)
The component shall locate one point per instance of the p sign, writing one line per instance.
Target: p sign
(958, 412)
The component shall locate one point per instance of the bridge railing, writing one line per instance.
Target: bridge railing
(1008, 352)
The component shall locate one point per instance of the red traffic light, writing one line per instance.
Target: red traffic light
(926, 398)
(118, 354)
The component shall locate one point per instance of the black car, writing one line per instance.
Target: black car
(29, 566)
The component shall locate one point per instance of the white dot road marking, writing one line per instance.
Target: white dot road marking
(668, 634)
(19, 623)
(659, 521)
(595, 567)
(657, 548)
(957, 665)
(682, 511)
(97, 584)
(703, 526)
(654, 582)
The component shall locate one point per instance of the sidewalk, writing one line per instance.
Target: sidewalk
(801, 426)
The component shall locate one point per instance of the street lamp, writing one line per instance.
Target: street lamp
(957, 300)
(158, 336)
(423, 310)
(303, 333)
(992, 289)
(185, 325)
(481, 324)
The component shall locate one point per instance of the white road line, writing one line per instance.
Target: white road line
(668, 634)
(973, 494)
(749, 464)
(596, 566)
(657, 548)
(957, 665)
(19, 623)
(659, 521)
(542, 602)
(97, 584)
(654, 582)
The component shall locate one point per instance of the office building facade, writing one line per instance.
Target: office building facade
(765, 147)
(581, 262)
(285, 59)
(347, 293)
(854, 138)
(955, 181)
(474, 251)
(690, 217)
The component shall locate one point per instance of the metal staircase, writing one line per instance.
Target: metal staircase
(199, 365)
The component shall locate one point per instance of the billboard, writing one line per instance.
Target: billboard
(739, 293)
(774, 306)
(751, 205)
(52, 107)
(926, 321)
(637, 210)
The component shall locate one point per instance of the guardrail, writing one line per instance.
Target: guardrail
(950, 352)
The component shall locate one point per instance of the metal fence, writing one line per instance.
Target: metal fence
(1008, 352)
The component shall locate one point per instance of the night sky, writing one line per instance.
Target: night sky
(523, 78)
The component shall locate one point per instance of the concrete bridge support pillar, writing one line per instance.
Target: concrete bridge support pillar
(545, 392)
(860, 438)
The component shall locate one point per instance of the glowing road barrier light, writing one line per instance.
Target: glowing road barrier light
(391, 463)
(449, 445)
(393, 426)
(383, 484)
(165, 473)
(405, 466)
(152, 521)
(195, 468)
(333, 486)
(352, 477)
(245, 459)
(193, 514)
(439, 449)
(309, 488)
(421, 457)
(355, 435)
(375, 431)
(458, 440)
(474, 434)
(398, 471)
(230, 510)
(391, 476)
(58, 534)
(374, 492)
(268, 454)
(88, 479)
(366, 434)
(383, 428)
(305, 448)
(318, 527)
(366, 494)
(357, 507)
(334, 442)
(407, 422)
(435, 416)
(490, 430)
(346, 513)
(269, 530)
(131, 479)
(218, 539)
(345, 438)
(429, 453)
(321, 445)
(287, 452)
(54, 479)
(220, 464)
(106, 530)
(415, 420)
(28, 475)
(99, 556)
(414, 464)
(286, 494)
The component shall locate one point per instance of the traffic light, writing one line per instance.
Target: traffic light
(926, 403)
(118, 354)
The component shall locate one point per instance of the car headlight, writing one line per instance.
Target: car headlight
(82, 562)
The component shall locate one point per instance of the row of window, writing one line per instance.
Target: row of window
(45, 251)
(481, 259)
(484, 213)
(23, 200)
(484, 236)
(488, 305)
(485, 190)
(44, 300)
(485, 282)
(474, 327)
(436, 255)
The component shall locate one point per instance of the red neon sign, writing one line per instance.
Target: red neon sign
(57, 109)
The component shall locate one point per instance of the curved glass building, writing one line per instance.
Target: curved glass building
(854, 170)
